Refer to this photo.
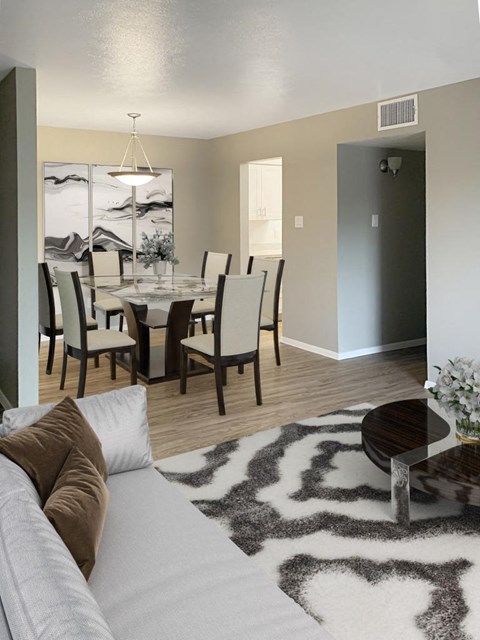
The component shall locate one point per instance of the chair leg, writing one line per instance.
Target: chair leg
(276, 343)
(133, 365)
(224, 376)
(51, 354)
(219, 385)
(97, 361)
(39, 340)
(83, 376)
(256, 370)
(183, 369)
(120, 323)
(241, 369)
(204, 324)
(64, 370)
(192, 328)
(113, 365)
(107, 319)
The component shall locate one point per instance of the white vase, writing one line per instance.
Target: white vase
(160, 267)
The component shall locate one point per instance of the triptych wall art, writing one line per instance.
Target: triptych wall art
(86, 209)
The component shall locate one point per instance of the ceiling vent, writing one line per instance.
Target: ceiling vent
(400, 112)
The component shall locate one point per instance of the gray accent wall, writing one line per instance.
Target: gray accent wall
(381, 271)
(18, 239)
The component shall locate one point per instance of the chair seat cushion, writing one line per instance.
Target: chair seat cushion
(203, 343)
(108, 304)
(204, 306)
(108, 339)
(91, 322)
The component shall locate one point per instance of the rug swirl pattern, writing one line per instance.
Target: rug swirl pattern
(314, 513)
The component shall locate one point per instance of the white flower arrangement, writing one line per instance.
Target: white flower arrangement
(158, 247)
(457, 390)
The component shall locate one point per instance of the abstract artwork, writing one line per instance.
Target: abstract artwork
(112, 208)
(80, 214)
(66, 215)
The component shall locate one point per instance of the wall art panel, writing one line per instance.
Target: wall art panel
(66, 212)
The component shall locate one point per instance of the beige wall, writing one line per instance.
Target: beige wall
(451, 118)
(188, 158)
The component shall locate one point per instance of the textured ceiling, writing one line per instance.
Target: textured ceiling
(205, 68)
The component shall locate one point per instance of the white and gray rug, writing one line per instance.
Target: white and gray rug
(314, 513)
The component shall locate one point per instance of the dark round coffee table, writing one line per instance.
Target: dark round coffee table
(419, 448)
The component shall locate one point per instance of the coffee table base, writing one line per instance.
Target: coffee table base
(400, 486)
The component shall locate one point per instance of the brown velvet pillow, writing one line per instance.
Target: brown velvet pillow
(42, 448)
(77, 508)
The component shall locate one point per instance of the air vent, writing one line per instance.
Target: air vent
(400, 112)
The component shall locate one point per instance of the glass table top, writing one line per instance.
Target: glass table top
(145, 289)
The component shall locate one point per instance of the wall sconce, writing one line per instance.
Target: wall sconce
(392, 164)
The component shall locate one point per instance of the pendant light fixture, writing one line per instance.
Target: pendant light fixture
(135, 177)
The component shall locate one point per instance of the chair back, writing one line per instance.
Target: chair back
(105, 263)
(273, 282)
(46, 301)
(215, 264)
(237, 314)
(73, 308)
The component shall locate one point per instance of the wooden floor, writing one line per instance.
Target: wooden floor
(305, 385)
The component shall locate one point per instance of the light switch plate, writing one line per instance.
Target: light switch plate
(298, 222)
(375, 220)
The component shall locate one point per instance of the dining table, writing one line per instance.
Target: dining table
(156, 302)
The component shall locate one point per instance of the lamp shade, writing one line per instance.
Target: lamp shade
(394, 163)
(134, 178)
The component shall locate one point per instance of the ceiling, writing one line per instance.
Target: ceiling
(206, 68)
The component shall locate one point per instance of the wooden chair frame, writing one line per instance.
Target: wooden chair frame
(203, 316)
(108, 314)
(220, 363)
(83, 353)
(51, 332)
(276, 301)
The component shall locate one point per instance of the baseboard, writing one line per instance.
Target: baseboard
(345, 355)
(6, 404)
(393, 346)
(310, 347)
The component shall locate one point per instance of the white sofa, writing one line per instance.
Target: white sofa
(163, 571)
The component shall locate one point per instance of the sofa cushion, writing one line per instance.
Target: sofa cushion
(43, 593)
(165, 571)
(42, 449)
(77, 508)
(4, 628)
(119, 418)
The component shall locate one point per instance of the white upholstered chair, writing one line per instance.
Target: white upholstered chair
(235, 338)
(82, 344)
(213, 265)
(50, 323)
(271, 296)
(106, 263)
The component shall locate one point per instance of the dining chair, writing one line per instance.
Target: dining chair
(106, 263)
(213, 265)
(82, 344)
(235, 340)
(50, 323)
(271, 297)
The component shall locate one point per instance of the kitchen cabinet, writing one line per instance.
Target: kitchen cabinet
(264, 192)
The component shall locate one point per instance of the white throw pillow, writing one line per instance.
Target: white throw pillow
(119, 418)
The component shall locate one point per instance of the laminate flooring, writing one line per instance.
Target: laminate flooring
(305, 385)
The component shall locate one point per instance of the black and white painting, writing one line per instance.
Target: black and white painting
(112, 208)
(66, 215)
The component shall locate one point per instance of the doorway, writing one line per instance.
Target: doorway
(261, 208)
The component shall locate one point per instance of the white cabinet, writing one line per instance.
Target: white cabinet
(264, 192)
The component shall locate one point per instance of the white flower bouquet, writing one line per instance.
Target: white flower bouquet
(457, 390)
(156, 248)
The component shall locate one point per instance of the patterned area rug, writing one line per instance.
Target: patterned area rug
(314, 513)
